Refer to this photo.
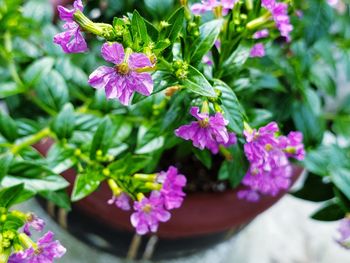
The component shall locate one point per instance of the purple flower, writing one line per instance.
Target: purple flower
(258, 50)
(122, 201)
(35, 222)
(208, 132)
(47, 250)
(71, 40)
(270, 170)
(148, 213)
(344, 230)
(122, 80)
(279, 13)
(261, 34)
(173, 184)
(293, 145)
(210, 5)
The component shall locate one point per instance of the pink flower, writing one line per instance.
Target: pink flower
(122, 80)
(48, 249)
(270, 170)
(148, 213)
(35, 222)
(279, 13)
(71, 40)
(208, 132)
(122, 201)
(173, 184)
(344, 231)
(261, 34)
(258, 50)
(210, 5)
(293, 145)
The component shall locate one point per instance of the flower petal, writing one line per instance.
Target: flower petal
(113, 53)
(101, 76)
(139, 60)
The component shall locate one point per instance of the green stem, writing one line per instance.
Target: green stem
(30, 140)
(11, 64)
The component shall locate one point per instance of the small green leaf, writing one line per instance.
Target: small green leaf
(138, 27)
(128, 165)
(341, 178)
(103, 137)
(38, 69)
(209, 33)
(329, 212)
(49, 183)
(52, 91)
(86, 183)
(63, 124)
(233, 110)
(8, 89)
(315, 190)
(8, 127)
(59, 198)
(311, 125)
(149, 140)
(234, 170)
(204, 156)
(237, 59)
(59, 158)
(176, 24)
(5, 162)
(9, 194)
(13, 223)
(197, 83)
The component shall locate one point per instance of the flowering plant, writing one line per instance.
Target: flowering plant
(225, 84)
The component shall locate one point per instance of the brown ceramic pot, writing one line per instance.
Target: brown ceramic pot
(203, 220)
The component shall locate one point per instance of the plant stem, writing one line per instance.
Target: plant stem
(30, 140)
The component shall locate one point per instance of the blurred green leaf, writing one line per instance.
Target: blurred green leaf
(209, 33)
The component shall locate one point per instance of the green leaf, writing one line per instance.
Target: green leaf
(237, 59)
(234, 170)
(331, 211)
(321, 78)
(13, 223)
(314, 189)
(341, 125)
(259, 117)
(29, 168)
(86, 183)
(138, 28)
(341, 178)
(49, 183)
(103, 137)
(8, 89)
(59, 158)
(5, 162)
(59, 198)
(204, 156)
(209, 33)
(9, 194)
(233, 110)
(176, 24)
(8, 127)
(197, 83)
(63, 124)
(316, 161)
(52, 91)
(128, 165)
(149, 140)
(38, 69)
(311, 125)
